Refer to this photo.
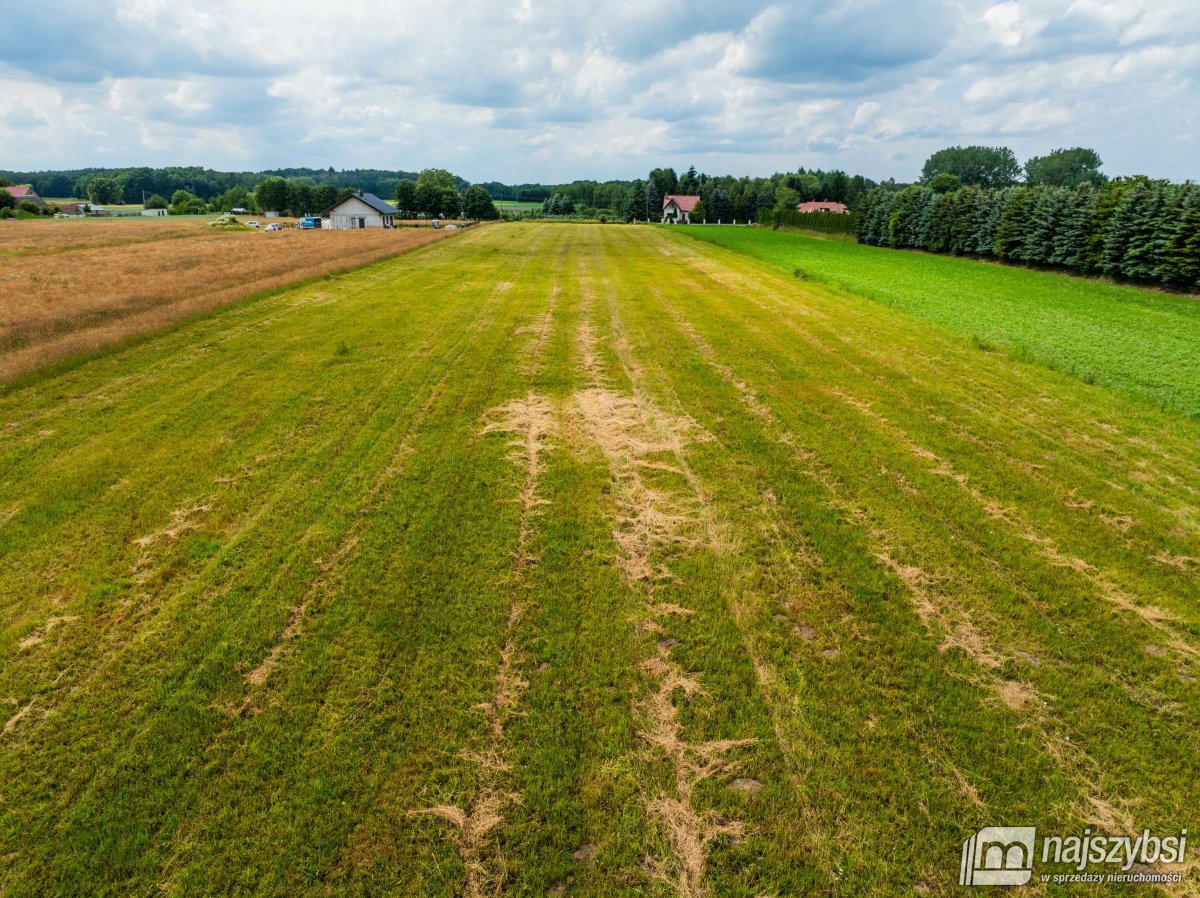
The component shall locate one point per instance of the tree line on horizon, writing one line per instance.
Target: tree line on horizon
(1065, 215)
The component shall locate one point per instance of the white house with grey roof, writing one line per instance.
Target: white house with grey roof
(359, 210)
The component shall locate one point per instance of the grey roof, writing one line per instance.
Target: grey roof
(371, 200)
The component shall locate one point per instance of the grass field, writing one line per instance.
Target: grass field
(1141, 342)
(516, 205)
(111, 207)
(592, 560)
(73, 287)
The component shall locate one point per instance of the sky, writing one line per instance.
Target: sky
(554, 90)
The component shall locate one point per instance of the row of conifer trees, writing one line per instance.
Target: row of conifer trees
(1132, 229)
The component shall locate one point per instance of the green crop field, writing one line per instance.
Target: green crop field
(590, 560)
(1140, 342)
(516, 205)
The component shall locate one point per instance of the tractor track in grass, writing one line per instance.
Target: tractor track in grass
(1087, 436)
(934, 607)
(531, 422)
(140, 625)
(661, 511)
(1106, 588)
(610, 569)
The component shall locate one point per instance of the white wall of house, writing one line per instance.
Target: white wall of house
(671, 213)
(354, 213)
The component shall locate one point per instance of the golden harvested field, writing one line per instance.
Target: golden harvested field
(74, 287)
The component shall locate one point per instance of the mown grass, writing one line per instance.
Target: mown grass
(75, 287)
(1140, 342)
(778, 593)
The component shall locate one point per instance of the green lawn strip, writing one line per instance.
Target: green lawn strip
(390, 674)
(92, 457)
(1053, 475)
(273, 462)
(1085, 425)
(573, 737)
(339, 479)
(833, 378)
(1027, 387)
(1138, 341)
(885, 694)
(1083, 633)
(582, 823)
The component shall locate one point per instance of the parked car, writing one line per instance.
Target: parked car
(274, 226)
(252, 224)
(312, 221)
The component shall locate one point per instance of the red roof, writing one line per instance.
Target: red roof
(685, 203)
(822, 207)
(21, 191)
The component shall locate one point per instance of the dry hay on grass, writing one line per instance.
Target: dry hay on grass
(38, 636)
(936, 611)
(181, 522)
(534, 353)
(689, 832)
(17, 718)
(1155, 617)
(83, 298)
(531, 421)
(471, 836)
(644, 449)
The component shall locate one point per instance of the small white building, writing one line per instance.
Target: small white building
(154, 213)
(360, 210)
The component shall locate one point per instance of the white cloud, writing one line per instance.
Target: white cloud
(550, 89)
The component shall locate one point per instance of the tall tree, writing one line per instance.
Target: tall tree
(477, 204)
(1064, 168)
(104, 190)
(1071, 236)
(1180, 265)
(272, 195)
(689, 183)
(665, 181)
(635, 206)
(722, 208)
(1013, 229)
(981, 166)
(406, 197)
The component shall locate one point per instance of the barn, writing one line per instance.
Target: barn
(678, 208)
(359, 210)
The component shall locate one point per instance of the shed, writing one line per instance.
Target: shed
(360, 210)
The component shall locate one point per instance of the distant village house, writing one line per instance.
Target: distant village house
(359, 210)
(24, 193)
(835, 208)
(678, 209)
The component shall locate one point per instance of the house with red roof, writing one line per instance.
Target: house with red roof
(835, 208)
(24, 193)
(678, 208)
